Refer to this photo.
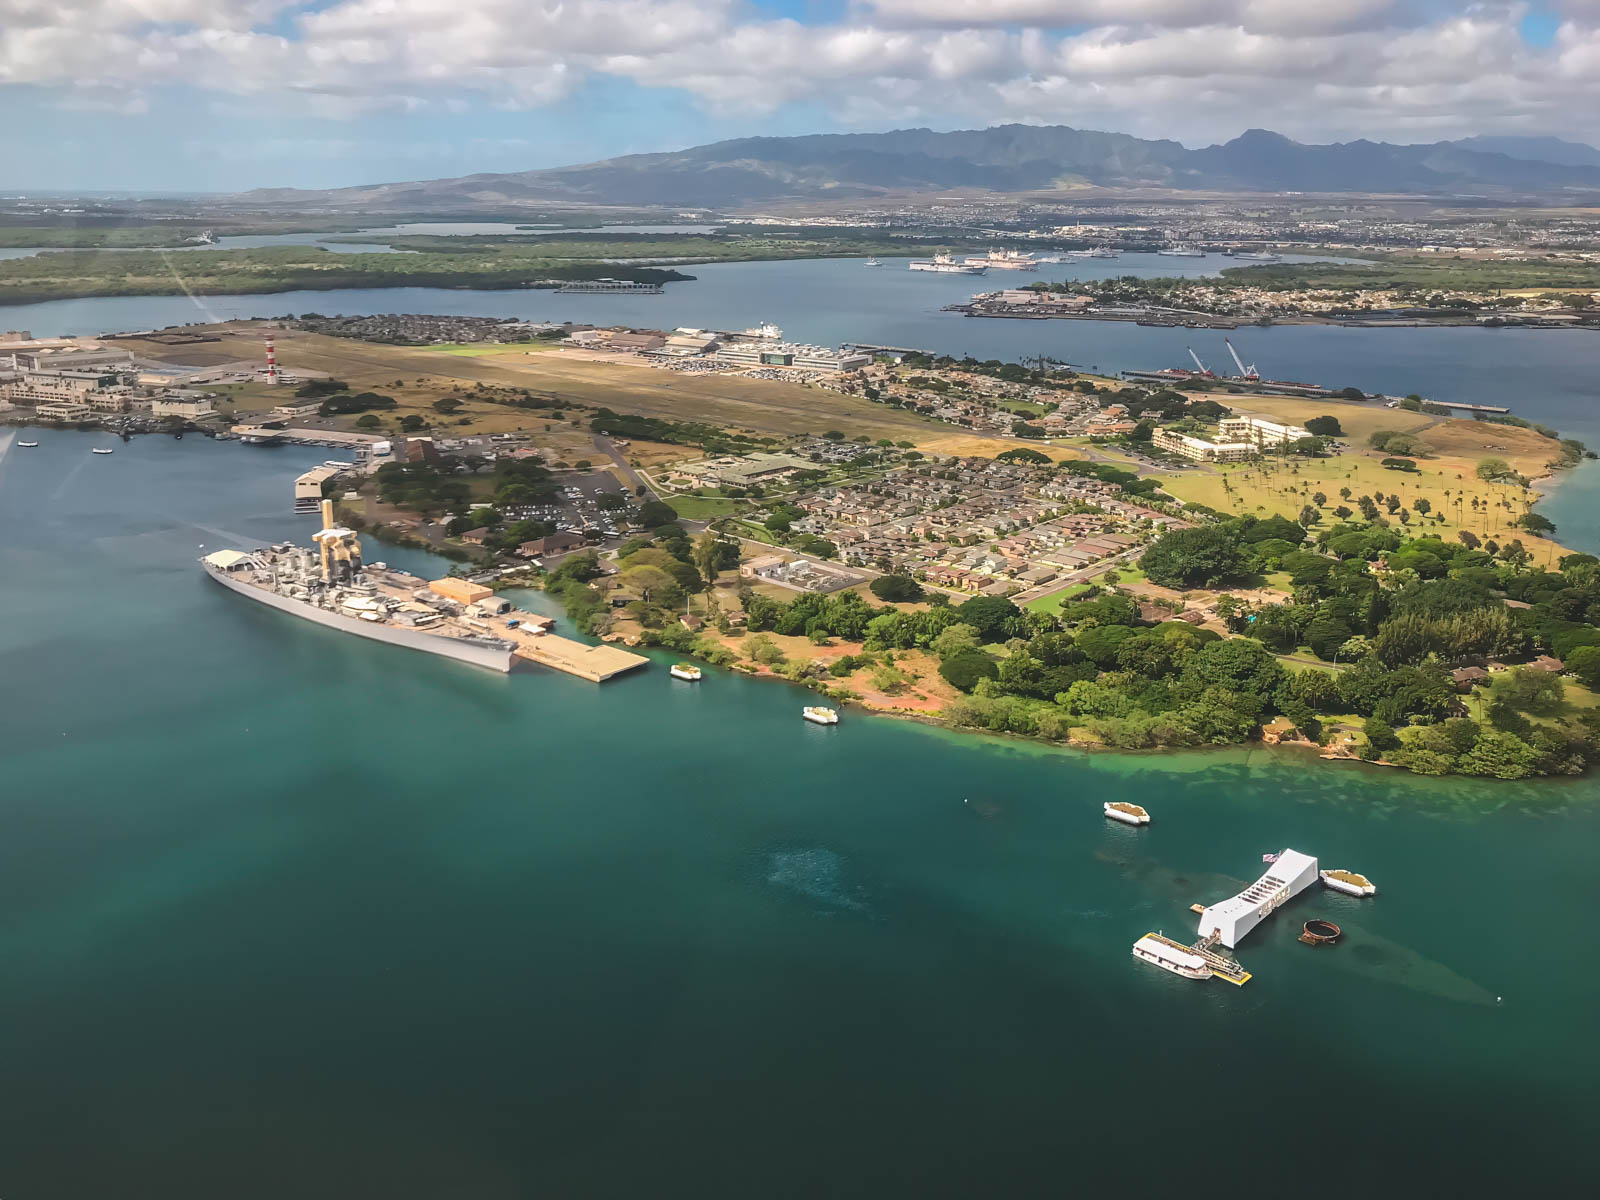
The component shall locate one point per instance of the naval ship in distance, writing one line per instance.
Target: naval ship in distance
(331, 586)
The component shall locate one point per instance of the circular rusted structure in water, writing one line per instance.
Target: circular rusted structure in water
(1320, 933)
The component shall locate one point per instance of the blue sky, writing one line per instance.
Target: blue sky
(231, 94)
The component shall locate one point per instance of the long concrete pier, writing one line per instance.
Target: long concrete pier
(596, 663)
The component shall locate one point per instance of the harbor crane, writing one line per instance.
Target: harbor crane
(1204, 370)
(1245, 372)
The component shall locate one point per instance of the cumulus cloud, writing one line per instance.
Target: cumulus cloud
(1194, 69)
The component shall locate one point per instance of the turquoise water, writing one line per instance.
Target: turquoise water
(284, 913)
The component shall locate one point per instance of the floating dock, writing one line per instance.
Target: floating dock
(1231, 920)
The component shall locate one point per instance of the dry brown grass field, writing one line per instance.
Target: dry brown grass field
(731, 402)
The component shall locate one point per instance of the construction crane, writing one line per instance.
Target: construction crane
(1204, 370)
(1245, 372)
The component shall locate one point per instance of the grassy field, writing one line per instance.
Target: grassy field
(1052, 603)
(702, 508)
(417, 376)
(1446, 481)
(1358, 419)
(486, 349)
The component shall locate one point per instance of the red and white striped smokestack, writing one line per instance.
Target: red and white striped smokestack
(272, 361)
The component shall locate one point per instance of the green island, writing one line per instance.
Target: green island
(484, 262)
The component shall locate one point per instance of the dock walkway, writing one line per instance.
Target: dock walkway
(596, 663)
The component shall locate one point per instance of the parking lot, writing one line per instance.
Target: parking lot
(577, 506)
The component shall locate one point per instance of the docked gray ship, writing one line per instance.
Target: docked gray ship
(331, 586)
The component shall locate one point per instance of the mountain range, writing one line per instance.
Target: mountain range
(1005, 159)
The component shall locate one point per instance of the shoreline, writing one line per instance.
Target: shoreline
(1203, 321)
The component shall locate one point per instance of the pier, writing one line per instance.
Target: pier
(594, 663)
(480, 613)
(896, 351)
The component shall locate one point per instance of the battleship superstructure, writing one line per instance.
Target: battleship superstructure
(331, 586)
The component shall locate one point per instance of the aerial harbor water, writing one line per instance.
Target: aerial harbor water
(292, 913)
(830, 301)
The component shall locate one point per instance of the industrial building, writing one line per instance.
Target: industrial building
(185, 403)
(789, 354)
(739, 471)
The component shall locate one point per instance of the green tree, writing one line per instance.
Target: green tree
(896, 588)
(367, 421)
(411, 422)
(994, 617)
(1324, 426)
(708, 562)
(954, 638)
(1531, 690)
(1490, 470)
(654, 513)
(1205, 556)
(1584, 662)
(965, 669)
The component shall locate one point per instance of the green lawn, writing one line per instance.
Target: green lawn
(702, 508)
(1052, 603)
(1127, 576)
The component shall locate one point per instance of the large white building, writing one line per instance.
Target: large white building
(1259, 431)
(1232, 919)
(1199, 448)
(788, 354)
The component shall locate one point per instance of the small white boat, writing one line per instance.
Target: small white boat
(1167, 954)
(819, 715)
(102, 450)
(686, 671)
(1128, 814)
(1349, 883)
(27, 445)
(872, 262)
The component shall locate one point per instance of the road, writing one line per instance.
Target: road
(1081, 575)
(635, 480)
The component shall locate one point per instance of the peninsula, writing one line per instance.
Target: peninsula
(1027, 550)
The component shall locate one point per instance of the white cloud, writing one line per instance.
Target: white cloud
(1198, 70)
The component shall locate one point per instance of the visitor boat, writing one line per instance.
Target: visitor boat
(686, 671)
(1349, 883)
(873, 262)
(1167, 954)
(1128, 814)
(27, 445)
(818, 715)
(102, 450)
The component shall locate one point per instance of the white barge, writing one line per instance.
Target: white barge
(1169, 955)
(687, 672)
(328, 586)
(818, 715)
(1128, 814)
(1348, 882)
